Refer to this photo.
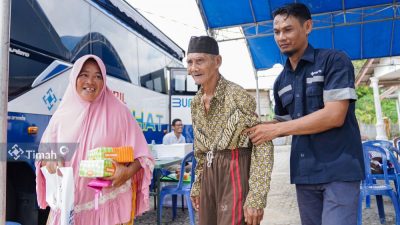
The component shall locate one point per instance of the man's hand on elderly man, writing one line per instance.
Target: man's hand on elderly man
(263, 132)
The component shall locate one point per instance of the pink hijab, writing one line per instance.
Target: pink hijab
(105, 122)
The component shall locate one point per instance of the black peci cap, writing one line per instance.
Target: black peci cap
(203, 44)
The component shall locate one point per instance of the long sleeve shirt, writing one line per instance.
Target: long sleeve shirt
(231, 111)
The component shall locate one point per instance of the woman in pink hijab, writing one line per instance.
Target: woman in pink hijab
(89, 114)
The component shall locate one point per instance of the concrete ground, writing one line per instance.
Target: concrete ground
(282, 206)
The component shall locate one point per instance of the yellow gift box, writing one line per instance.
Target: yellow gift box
(119, 154)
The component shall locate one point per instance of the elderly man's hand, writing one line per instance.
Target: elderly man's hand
(195, 202)
(253, 216)
(263, 132)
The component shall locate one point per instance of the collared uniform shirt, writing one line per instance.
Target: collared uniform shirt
(171, 138)
(231, 111)
(321, 76)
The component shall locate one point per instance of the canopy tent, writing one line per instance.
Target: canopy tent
(361, 28)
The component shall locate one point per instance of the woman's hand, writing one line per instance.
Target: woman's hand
(52, 166)
(123, 173)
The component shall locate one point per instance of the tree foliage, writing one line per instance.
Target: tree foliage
(358, 64)
(365, 108)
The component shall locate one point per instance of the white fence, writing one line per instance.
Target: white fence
(368, 131)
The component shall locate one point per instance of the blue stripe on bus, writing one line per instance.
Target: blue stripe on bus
(58, 69)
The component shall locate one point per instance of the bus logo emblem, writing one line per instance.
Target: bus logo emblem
(49, 99)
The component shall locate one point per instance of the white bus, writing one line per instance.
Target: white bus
(47, 36)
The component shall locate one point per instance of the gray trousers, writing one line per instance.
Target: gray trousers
(333, 203)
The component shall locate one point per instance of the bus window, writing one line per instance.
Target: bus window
(158, 85)
(25, 66)
(181, 82)
(151, 67)
(70, 27)
(37, 30)
(103, 49)
(191, 85)
(154, 81)
(116, 45)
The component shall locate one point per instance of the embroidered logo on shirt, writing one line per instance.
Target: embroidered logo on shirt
(316, 72)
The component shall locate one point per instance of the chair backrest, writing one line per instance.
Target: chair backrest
(188, 158)
(396, 141)
(368, 150)
(384, 144)
(395, 152)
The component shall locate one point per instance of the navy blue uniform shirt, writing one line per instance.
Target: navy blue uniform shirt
(322, 75)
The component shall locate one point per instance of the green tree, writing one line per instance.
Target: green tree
(365, 108)
(358, 64)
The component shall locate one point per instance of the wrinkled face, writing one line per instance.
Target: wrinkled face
(178, 127)
(290, 35)
(90, 81)
(203, 67)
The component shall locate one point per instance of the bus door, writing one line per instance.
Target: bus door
(182, 90)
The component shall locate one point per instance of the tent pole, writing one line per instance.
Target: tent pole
(257, 95)
(211, 33)
(4, 55)
(256, 77)
(380, 129)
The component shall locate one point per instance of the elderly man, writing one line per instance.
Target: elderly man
(232, 175)
(315, 102)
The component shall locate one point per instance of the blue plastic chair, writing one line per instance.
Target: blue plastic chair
(396, 142)
(164, 173)
(369, 186)
(12, 223)
(394, 171)
(180, 189)
(384, 144)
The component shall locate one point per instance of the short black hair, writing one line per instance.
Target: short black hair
(298, 10)
(174, 121)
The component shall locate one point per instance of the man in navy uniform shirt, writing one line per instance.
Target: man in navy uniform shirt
(315, 102)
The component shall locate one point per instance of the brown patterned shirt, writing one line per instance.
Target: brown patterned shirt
(231, 111)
